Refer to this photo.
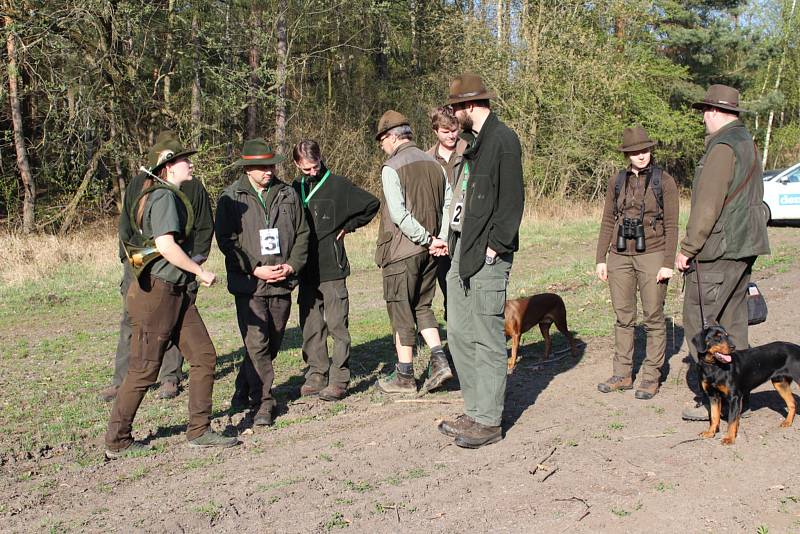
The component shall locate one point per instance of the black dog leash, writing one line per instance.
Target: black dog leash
(699, 293)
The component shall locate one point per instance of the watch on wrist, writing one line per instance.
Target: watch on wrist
(491, 260)
(429, 242)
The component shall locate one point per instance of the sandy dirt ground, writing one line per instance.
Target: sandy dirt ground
(573, 460)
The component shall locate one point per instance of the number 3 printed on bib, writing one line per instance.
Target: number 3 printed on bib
(270, 244)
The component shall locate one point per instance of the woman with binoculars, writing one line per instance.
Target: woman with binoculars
(638, 236)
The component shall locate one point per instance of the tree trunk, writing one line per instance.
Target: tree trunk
(196, 94)
(255, 80)
(414, 36)
(786, 31)
(28, 185)
(168, 55)
(280, 101)
(69, 211)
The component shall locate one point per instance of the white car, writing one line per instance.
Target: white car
(782, 195)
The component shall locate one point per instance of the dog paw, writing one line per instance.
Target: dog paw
(786, 424)
(707, 434)
(728, 441)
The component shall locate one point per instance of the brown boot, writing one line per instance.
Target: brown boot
(456, 426)
(333, 393)
(438, 372)
(615, 383)
(647, 389)
(311, 387)
(479, 435)
(397, 382)
(263, 416)
(108, 394)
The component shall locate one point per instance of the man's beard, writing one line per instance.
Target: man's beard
(466, 123)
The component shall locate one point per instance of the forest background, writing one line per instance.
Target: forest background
(87, 85)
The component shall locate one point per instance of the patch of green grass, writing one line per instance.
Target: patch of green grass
(361, 486)
(210, 509)
(416, 472)
(137, 473)
(337, 444)
(336, 520)
(663, 486)
(619, 512)
(201, 462)
(340, 500)
(325, 457)
(278, 484)
(337, 408)
(762, 529)
(616, 425)
(287, 422)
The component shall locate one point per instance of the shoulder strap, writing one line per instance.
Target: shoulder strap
(136, 224)
(655, 183)
(746, 180)
(617, 188)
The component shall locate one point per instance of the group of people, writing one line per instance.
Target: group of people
(452, 214)
(725, 233)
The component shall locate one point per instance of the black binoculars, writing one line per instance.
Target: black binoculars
(630, 229)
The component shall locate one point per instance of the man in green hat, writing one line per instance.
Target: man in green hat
(170, 374)
(261, 229)
(727, 228)
(484, 221)
(416, 197)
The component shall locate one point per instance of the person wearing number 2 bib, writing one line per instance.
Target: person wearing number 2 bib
(261, 229)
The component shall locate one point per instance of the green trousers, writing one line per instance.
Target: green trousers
(476, 338)
(324, 310)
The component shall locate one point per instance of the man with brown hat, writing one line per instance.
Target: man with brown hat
(727, 228)
(416, 196)
(484, 219)
(170, 374)
(262, 231)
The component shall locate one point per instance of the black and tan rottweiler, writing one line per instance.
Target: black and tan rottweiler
(725, 372)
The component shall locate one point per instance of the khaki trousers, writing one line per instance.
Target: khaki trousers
(476, 336)
(408, 289)
(262, 323)
(324, 310)
(161, 313)
(626, 275)
(724, 287)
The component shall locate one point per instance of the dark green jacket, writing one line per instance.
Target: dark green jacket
(240, 216)
(495, 195)
(198, 242)
(337, 205)
(728, 224)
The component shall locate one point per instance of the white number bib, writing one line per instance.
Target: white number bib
(458, 210)
(269, 241)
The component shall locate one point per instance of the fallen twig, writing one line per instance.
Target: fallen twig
(540, 463)
(585, 513)
(645, 436)
(686, 441)
(548, 475)
(431, 401)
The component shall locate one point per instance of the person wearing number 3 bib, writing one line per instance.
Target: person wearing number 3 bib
(262, 231)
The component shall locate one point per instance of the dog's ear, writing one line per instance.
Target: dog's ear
(699, 342)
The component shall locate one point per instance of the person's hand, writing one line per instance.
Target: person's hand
(264, 272)
(682, 262)
(664, 274)
(491, 253)
(207, 278)
(438, 247)
(602, 271)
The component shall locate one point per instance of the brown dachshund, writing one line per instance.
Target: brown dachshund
(543, 309)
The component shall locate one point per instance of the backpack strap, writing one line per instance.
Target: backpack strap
(655, 183)
(618, 183)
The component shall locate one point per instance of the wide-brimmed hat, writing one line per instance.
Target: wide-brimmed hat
(258, 152)
(722, 97)
(469, 86)
(635, 139)
(165, 150)
(389, 120)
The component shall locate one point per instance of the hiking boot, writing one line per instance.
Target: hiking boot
(108, 394)
(311, 388)
(133, 448)
(615, 383)
(263, 416)
(333, 393)
(479, 435)
(212, 439)
(168, 390)
(438, 372)
(700, 412)
(457, 426)
(397, 382)
(647, 389)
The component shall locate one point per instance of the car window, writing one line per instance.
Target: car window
(794, 177)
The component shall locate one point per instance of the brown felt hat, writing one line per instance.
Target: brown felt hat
(389, 120)
(257, 152)
(635, 139)
(722, 97)
(469, 86)
(165, 150)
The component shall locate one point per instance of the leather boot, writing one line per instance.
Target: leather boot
(457, 426)
(479, 435)
(397, 382)
(438, 372)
